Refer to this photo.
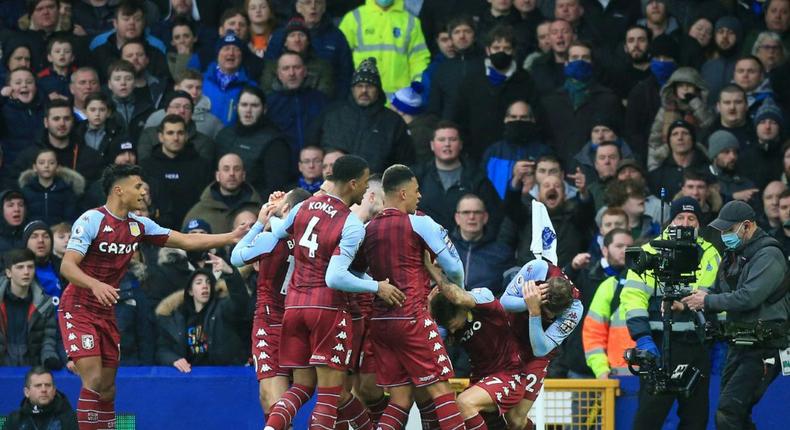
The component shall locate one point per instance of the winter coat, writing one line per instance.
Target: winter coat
(175, 182)
(642, 106)
(93, 19)
(58, 415)
(570, 128)
(216, 212)
(149, 138)
(142, 108)
(669, 174)
(440, 204)
(204, 120)
(762, 162)
(319, 77)
(728, 184)
(114, 135)
(167, 274)
(717, 73)
(224, 102)
(481, 107)
(48, 81)
(134, 315)
(484, 261)
(58, 202)
(75, 156)
(223, 312)
(264, 151)
(696, 112)
(10, 236)
(421, 130)
(585, 159)
(447, 80)
(547, 74)
(41, 326)
(103, 54)
(373, 132)
(329, 43)
(499, 159)
(293, 112)
(22, 124)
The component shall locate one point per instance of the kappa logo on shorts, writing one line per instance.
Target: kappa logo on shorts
(427, 322)
(335, 359)
(342, 335)
(437, 346)
(73, 348)
(265, 368)
(342, 323)
(339, 347)
(134, 229)
(317, 357)
(432, 335)
(261, 332)
(442, 358)
(72, 336)
(261, 344)
(67, 316)
(445, 370)
(427, 378)
(87, 341)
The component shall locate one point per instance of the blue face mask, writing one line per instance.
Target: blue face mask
(579, 69)
(662, 70)
(731, 240)
(385, 3)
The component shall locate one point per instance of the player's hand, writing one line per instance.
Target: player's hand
(266, 212)
(239, 232)
(434, 292)
(105, 294)
(580, 261)
(219, 265)
(182, 365)
(71, 367)
(532, 297)
(275, 196)
(433, 270)
(390, 293)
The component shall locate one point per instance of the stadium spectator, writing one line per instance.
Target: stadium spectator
(761, 162)
(644, 100)
(548, 70)
(225, 195)
(521, 140)
(134, 315)
(181, 13)
(485, 259)
(183, 40)
(13, 222)
(50, 190)
(100, 130)
(361, 125)
(683, 155)
(604, 334)
(696, 46)
(38, 238)
(776, 18)
(60, 237)
(327, 41)
(131, 108)
(631, 169)
(29, 337)
(310, 169)
(484, 97)
(700, 187)
(224, 79)
(294, 104)
(769, 220)
(768, 48)
(191, 81)
(569, 110)
(604, 129)
(502, 13)
(84, 81)
(53, 81)
(22, 112)
(44, 406)
(262, 148)
(391, 35)
(318, 72)
(175, 172)
(122, 152)
(631, 65)
(232, 19)
(145, 83)
(409, 103)
(783, 234)
(629, 195)
(723, 151)
(262, 25)
(718, 72)
(750, 75)
(526, 177)
(93, 18)
(605, 158)
(684, 96)
(330, 156)
(448, 177)
(733, 116)
(543, 38)
(658, 19)
(609, 219)
(177, 103)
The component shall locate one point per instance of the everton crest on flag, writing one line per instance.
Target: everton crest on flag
(544, 237)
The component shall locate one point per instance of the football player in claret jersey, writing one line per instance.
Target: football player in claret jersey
(545, 311)
(478, 322)
(275, 270)
(102, 242)
(408, 349)
(317, 331)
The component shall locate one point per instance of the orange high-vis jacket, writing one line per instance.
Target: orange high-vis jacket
(604, 333)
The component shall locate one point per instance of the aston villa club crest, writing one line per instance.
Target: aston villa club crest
(87, 341)
(134, 229)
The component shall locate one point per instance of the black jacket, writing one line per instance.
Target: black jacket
(448, 78)
(176, 183)
(108, 52)
(76, 156)
(374, 132)
(644, 101)
(485, 261)
(10, 236)
(221, 316)
(41, 326)
(135, 318)
(58, 415)
(149, 138)
(670, 176)
(58, 202)
(440, 204)
(114, 135)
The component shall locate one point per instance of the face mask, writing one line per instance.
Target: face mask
(519, 131)
(385, 3)
(579, 69)
(731, 240)
(662, 70)
(500, 60)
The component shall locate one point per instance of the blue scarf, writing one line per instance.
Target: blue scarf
(311, 188)
(495, 77)
(224, 79)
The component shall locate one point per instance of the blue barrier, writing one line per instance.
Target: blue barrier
(226, 398)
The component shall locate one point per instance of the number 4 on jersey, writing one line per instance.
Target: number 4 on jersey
(309, 239)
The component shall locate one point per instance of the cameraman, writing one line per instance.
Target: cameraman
(754, 295)
(642, 305)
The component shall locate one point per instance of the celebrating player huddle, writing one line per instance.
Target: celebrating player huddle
(329, 320)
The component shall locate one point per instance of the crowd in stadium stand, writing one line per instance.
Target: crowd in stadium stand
(591, 107)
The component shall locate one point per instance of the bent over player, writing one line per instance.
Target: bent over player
(102, 243)
(545, 312)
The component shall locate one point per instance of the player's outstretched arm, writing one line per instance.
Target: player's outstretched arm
(200, 242)
(70, 269)
(435, 236)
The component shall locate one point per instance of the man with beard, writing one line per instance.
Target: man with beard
(629, 69)
(723, 151)
(719, 71)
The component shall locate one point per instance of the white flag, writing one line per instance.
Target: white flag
(544, 237)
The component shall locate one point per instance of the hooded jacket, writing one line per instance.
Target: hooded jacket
(227, 302)
(485, 261)
(216, 212)
(58, 415)
(695, 111)
(224, 102)
(58, 202)
(175, 182)
(41, 326)
(76, 156)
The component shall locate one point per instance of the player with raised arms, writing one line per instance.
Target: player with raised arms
(103, 241)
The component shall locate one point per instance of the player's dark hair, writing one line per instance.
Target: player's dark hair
(395, 176)
(442, 310)
(36, 370)
(609, 238)
(16, 256)
(559, 295)
(116, 172)
(348, 167)
(171, 118)
(296, 196)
